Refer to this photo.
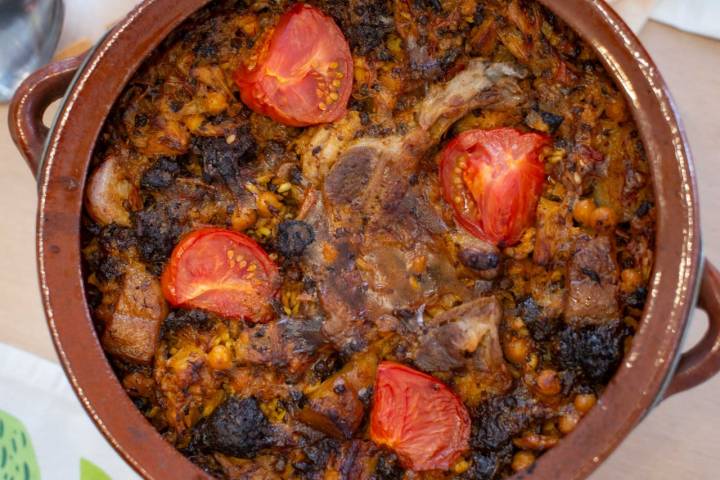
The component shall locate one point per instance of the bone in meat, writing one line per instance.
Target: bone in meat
(357, 215)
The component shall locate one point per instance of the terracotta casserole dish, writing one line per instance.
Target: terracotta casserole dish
(654, 369)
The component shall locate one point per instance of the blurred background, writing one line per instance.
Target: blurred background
(679, 440)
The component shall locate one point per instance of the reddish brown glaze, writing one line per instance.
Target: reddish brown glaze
(703, 360)
(639, 384)
(31, 100)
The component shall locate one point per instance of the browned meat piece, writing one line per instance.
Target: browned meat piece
(365, 239)
(287, 343)
(592, 282)
(465, 335)
(110, 194)
(328, 261)
(372, 175)
(335, 407)
(356, 460)
(363, 278)
(133, 330)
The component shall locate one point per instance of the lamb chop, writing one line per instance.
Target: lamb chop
(371, 224)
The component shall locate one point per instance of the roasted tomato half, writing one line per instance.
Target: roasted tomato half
(418, 417)
(221, 271)
(302, 71)
(493, 179)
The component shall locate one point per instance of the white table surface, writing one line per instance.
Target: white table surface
(680, 440)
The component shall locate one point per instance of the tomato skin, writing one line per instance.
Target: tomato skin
(303, 71)
(418, 417)
(202, 273)
(493, 179)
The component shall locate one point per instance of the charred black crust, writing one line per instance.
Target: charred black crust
(157, 229)
(594, 351)
(637, 298)
(237, 428)
(551, 120)
(223, 157)
(541, 327)
(180, 318)
(388, 467)
(498, 420)
(293, 237)
(478, 259)
(161, 174)
(489, 465)
(365, 23)
(317, 456)
(114, 237)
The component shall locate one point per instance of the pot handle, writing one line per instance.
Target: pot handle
(703, 360)
(30, 101)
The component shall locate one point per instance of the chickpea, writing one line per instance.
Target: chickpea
(616, 110)
(548, 382)
(516, 350)
(583, 210)
(517, 324)
(533, 441)
(568, 422)
(243, 218)
(630, 280)
(522, 461)
(219, 358)
(603, 218)
(585, 402)
(461, 466)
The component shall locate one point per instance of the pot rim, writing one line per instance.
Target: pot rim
(642, 377)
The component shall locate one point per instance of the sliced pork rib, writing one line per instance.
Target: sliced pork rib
(592, 282)
(287, 343)
(132, 330)
(372, 175)
(466, 334)
(370, 225)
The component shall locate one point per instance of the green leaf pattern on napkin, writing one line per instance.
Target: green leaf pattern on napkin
(17, 456)
(90, 471)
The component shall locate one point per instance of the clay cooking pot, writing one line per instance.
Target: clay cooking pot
(60, 156)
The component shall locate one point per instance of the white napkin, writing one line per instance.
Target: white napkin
(43, 429)
(696, 16)
(634, 12)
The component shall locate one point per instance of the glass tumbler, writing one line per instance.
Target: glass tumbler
(29, 33)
